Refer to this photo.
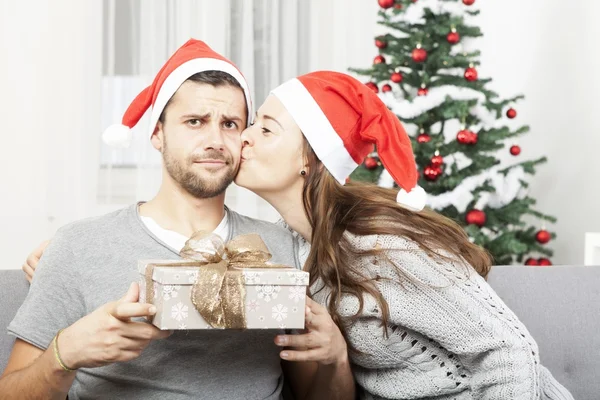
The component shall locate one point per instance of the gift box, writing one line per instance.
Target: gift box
(224, 286)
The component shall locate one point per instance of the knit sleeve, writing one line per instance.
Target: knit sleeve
(551, 389)
(457, 311)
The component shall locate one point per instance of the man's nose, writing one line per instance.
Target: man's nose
(215, 138)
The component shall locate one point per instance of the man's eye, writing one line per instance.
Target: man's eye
(230, 125)
(193, 122)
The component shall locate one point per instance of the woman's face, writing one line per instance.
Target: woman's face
(272, 158)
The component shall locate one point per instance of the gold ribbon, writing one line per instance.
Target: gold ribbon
(219, 291)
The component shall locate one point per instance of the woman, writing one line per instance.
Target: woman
(405, 285)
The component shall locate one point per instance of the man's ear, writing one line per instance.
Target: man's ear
(158, 137)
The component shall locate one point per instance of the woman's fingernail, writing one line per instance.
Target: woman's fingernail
(152, 310)
(281, 340)
(284, 354)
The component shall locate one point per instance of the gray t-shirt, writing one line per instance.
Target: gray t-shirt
(92, 262)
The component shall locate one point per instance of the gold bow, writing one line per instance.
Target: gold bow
(219, 291)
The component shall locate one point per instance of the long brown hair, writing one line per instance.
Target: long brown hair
(367, 209)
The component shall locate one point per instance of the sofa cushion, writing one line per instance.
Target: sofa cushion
(560, 306)
(13, 290)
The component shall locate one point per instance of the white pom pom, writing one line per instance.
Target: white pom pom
(414, 201)
(117, 136)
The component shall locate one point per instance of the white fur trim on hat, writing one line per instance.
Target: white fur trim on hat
(183, 72)
(414, 200)
(118, 136)
(317, 129)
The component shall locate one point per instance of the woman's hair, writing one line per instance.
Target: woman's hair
(366, 209)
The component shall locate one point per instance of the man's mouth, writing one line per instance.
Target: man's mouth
(210, 162)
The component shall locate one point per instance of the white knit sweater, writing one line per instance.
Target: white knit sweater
(450, 335)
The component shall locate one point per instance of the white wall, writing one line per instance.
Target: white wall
(548, 51)
(544, 50)
(49, 80)
(50, 60)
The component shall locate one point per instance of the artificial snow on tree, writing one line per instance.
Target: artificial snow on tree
(458, 126)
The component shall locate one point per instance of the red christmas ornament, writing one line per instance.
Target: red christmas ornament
(371, 163)
(423, 138)
(531, 261)
(398, 6)
(396, 77)
(543, 236)
(463, 137)
(419, 54)
(386, 88)
(380, 43)
(468, 2)
(453, 37)
(515, 150)
(476, 217)
(471, 74)
(372, 86)
(544, 262)
(473, 139)
(385, 3)
(437, 160)
(422, 91)
(379, 60)
(432, 173)
(511, 113)
(466, 137)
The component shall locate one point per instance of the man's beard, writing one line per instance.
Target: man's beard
(191, 181)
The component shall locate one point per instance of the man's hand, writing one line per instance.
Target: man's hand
(108, 335)
(33, 259)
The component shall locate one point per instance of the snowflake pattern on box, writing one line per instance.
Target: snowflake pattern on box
(273, 300)
(279, 312)
(252, 306)
(297, 293)
(252, 277)
(169, 292)
(298, 278)
(268, 292)
(192, 276)
(179, 311)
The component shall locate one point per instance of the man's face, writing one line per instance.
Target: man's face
(199, 137)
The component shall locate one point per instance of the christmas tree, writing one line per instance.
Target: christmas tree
(458, 128)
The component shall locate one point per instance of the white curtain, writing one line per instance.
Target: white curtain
(264, 38)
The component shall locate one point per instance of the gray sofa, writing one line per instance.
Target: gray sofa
(559, 305)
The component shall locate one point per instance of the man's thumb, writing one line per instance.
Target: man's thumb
(132, 295)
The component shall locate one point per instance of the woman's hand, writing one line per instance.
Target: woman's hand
(323, 342)
(32, 261)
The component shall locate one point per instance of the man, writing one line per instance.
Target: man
(200, 105)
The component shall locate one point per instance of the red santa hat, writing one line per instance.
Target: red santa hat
(193, 57)
(343, 120)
